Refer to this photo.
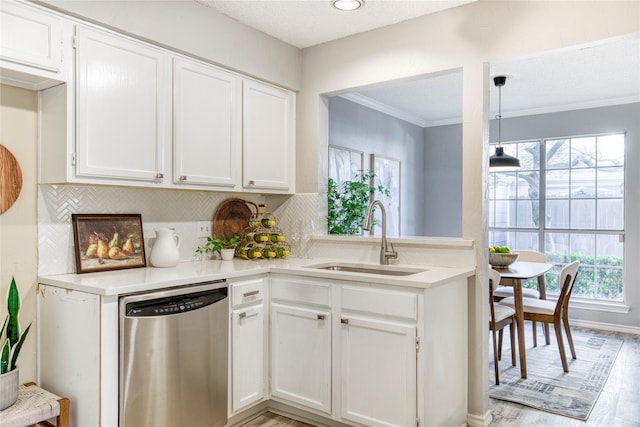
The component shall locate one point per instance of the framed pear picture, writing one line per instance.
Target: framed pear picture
(108, 242)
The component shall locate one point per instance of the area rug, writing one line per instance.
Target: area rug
(547, 387)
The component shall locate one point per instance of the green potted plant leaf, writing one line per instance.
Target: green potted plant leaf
(225, 247)
(12, 342)
(347, 202)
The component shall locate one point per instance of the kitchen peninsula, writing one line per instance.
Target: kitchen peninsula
(413, 329)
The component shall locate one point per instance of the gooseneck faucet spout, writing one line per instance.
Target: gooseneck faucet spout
(385, 253)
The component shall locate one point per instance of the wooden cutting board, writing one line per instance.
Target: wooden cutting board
(10, 179)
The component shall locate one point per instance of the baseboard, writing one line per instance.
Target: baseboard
(304, 416)
(479, 420)
(605, 326)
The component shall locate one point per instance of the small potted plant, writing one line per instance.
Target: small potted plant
(225, 247)
(12, 342)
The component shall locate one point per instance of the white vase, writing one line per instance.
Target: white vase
(227, 254)
(164, 252)
(8, 388)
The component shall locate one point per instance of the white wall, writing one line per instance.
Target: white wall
(469, 37)
(19, 231)
(197, 30)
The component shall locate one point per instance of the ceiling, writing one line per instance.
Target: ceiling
(305, 23)
(573, 78)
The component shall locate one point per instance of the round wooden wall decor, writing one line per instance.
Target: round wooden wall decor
(10, 179)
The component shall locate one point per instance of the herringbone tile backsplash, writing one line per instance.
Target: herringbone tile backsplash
(178, 209)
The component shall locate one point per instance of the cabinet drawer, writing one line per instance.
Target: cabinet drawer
(380, 301)
(247, 292)
(301, 290)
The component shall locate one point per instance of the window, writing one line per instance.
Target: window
(567, 201)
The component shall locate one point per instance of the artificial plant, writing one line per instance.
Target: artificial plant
(13, 340)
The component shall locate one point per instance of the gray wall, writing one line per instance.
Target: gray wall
(355, 126)
(443, 181)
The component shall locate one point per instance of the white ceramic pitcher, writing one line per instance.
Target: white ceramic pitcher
(164, 252)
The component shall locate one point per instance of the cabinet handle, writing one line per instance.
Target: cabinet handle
(344, 321)
(159, 175)
(252, 182)
(320, 316)
(242, 315)
(248, 294)
(183, 177)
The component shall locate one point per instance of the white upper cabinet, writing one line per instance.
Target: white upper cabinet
(122, 107)
(268, 129)
(207, 112)
(31, 46)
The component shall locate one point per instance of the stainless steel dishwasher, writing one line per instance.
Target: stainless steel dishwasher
(173, 357)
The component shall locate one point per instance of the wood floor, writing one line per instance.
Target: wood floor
(618, 405)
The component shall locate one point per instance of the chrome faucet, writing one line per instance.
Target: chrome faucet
(385, 253)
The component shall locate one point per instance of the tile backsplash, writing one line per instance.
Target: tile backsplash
(178, 209)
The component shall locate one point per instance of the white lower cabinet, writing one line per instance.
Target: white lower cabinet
(248, 338)
(378, 355)
(378, 372)
(301, 343)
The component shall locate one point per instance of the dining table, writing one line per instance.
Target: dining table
(514, 275)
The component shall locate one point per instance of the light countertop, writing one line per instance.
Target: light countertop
(120, 282)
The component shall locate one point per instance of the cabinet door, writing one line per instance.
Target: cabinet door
(207, 109)
(301, 356)
(247, 357)
(122, 107)
(268, 152)
(378, 371)
(30, 37)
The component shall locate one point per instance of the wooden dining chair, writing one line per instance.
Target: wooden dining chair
(500, 316)
(549, 312)
(540, 291)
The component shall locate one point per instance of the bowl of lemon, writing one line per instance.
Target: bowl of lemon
(502, 257)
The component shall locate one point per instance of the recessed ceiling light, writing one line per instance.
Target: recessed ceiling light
(347, 4)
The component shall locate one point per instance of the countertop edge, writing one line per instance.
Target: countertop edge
(131, 281)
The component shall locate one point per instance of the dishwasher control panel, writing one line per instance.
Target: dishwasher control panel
(175, 304)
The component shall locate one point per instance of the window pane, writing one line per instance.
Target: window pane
(610, 182)
(528, 185)
(583, 248)
(557, 215)
(529, 155)
(557, 184)
(505, 185)
(611, 214)
(557, 247)
(583, 152)
(557, 154)
(527, 241)
(528, 213)
(505, 213)
(503, 238)
(609, 283)
(585, 282)
(609, 263)
(583, 214)
(583, 183)
(611, 150)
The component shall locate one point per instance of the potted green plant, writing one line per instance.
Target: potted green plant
(225, 247)
(12, 341)
(347, 202)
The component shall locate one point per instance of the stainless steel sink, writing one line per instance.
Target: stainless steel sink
(384, 270)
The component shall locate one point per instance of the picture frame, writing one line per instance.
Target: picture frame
(345, 164)
(105, 242)
(387, 172)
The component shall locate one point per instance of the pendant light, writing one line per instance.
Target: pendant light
(500, 161)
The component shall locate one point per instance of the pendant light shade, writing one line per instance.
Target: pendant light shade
(501, 161)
